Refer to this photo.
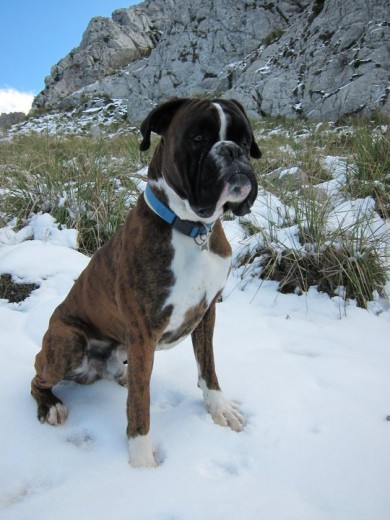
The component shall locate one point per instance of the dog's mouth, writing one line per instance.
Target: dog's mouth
(242, 194)
(238, 194)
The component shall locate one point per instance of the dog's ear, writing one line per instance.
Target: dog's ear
(158, 120)
(254, 149)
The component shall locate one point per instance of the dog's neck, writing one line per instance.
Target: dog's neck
(197, 230)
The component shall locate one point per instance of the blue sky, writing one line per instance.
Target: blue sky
(36, 34)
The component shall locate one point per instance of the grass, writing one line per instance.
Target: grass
(369, 173)
(90, 183)
(297, 242)
(273, 36)
(348, 260)
(84, 183)
(294, 142)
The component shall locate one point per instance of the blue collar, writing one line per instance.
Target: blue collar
(187, 227)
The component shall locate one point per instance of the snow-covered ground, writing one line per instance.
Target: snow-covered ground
(102, 114)
(312, 380)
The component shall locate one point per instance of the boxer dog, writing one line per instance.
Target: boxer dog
(158, 279)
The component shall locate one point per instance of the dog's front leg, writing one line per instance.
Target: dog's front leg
(140, 364)
(223, 411)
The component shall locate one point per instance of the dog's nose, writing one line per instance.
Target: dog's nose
(239, 185)
(204, 212)
(229, 149)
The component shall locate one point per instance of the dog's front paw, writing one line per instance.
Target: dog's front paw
(223, 411)
(141, 453)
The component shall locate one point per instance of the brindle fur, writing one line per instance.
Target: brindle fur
(123, 292)
(117, 309)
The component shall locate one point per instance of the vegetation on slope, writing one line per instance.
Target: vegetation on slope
(308, 174)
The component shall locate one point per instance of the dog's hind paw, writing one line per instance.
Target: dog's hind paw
(55, 415)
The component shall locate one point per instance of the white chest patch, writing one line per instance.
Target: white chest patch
(199, 276)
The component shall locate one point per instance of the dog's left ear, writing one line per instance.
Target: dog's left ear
(254, 149)
(158, 120)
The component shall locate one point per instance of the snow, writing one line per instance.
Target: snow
(289, 171)
(311, 377)
(76, 122)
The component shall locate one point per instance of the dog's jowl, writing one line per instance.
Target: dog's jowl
(157, 280)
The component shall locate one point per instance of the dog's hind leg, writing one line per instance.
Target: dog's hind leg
(62, 351)
(50, 408)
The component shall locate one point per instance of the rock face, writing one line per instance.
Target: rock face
(321, 59)
(107, 45)
(334, 60)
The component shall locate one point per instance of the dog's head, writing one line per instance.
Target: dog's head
(204, 155)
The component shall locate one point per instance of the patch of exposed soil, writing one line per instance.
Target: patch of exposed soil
(15, 292)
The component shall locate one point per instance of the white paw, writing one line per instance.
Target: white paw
(57, 414)
(223, 411)
(141, 453)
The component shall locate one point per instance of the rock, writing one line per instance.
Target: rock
(315, 193)
(320, 59)
(333, 61)
(107, 46)
(8, 120)
(288, 179)
(198, 54)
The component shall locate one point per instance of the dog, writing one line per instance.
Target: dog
(157, 280)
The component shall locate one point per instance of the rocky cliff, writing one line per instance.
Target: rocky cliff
(322, 59)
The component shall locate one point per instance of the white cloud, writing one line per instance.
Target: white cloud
(12, 100)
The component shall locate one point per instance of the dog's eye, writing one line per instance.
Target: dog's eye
(198, 138)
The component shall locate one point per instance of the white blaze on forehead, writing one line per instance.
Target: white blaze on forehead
(223, 122)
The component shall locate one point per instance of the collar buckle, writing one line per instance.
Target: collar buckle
(203, 237)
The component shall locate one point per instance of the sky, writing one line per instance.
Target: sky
(34, 36)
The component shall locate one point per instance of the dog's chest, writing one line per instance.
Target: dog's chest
(199, 276)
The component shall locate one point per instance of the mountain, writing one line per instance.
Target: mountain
(320, 59)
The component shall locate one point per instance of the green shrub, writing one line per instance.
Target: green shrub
(272, 36)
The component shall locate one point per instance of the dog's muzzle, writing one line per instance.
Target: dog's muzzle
(234, 183)
(240, 185)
